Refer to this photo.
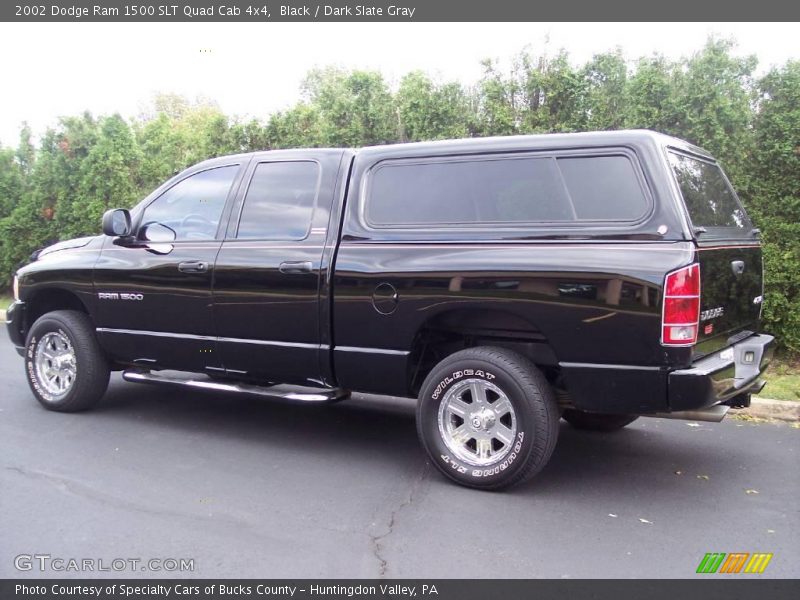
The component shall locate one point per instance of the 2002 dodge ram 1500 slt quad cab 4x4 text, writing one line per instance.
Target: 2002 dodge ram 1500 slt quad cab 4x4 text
(504, 282)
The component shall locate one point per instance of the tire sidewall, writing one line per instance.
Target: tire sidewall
(39, 330)
(436, 386)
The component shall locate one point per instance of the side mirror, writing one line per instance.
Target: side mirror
(117, 222)
(157, 233)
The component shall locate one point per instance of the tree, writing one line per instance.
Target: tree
(11, 181)
(108, 178)
(354, 107)
(298, 127)
(775, 198)
(497, 106)
(427, 110)
(606, 77)
(715, 95)
(651, 95)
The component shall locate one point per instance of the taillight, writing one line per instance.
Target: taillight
(681, 313)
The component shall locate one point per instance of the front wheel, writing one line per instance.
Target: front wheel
(487, 418)
(595, 421)
(67, 371)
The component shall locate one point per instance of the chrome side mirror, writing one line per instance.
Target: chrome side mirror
(157, 233)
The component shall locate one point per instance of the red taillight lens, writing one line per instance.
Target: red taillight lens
(681, 310)
(681, 315)
(683, 282)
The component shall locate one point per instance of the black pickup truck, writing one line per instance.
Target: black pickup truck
(504, 282)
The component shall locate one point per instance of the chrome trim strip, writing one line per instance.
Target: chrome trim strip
(372, 350)
(190, 336)
(578, 365)
(272, 343)
(210, 338)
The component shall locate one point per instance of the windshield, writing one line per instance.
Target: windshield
(708, 196)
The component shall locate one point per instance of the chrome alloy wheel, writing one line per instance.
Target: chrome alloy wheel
(54, 361)
(477, 422)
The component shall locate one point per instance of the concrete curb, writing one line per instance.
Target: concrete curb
(764, 408)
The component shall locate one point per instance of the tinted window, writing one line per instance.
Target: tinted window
(505, 190)
(603, 187)
(192, 208)
(707, 195)
(279, 201)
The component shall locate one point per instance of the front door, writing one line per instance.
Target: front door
(154, 293)
(267, 280)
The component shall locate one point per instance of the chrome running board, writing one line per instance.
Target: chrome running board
(712, 414)
(320, 396)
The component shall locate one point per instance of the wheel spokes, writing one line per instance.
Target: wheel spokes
(477, 422)
(54, 363)
(458, 407)
(503, 434)
(478, 393)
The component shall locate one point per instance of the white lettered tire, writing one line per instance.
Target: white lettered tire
(64, 364)
(487, 418)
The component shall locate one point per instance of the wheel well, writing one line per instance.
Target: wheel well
(49, 300)
(455, 330)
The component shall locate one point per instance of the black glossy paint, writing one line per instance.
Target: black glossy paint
(172, 324)
(364, 307)
(268, 317)
(738, 291)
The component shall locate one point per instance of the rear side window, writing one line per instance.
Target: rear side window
(709, 198)
(603, 188)
(510, 190)
(280, 201)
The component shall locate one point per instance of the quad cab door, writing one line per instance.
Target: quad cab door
(154, 290)
(271, 323)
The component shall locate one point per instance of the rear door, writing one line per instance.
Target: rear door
(728, 251)
(267, 273)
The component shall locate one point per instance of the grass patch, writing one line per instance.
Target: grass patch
(783, 381)
(5, 301)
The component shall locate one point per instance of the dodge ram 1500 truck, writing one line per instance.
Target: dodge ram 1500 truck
(504, 282)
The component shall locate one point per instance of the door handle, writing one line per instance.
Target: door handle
(193, 266)
(293, 268)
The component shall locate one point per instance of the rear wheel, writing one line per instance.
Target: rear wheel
(487, 418)
(596, 421)
(67, 371)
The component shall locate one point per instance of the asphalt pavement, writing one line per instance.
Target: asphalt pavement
(247, 487)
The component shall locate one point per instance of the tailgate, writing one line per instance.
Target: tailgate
(731, 288)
